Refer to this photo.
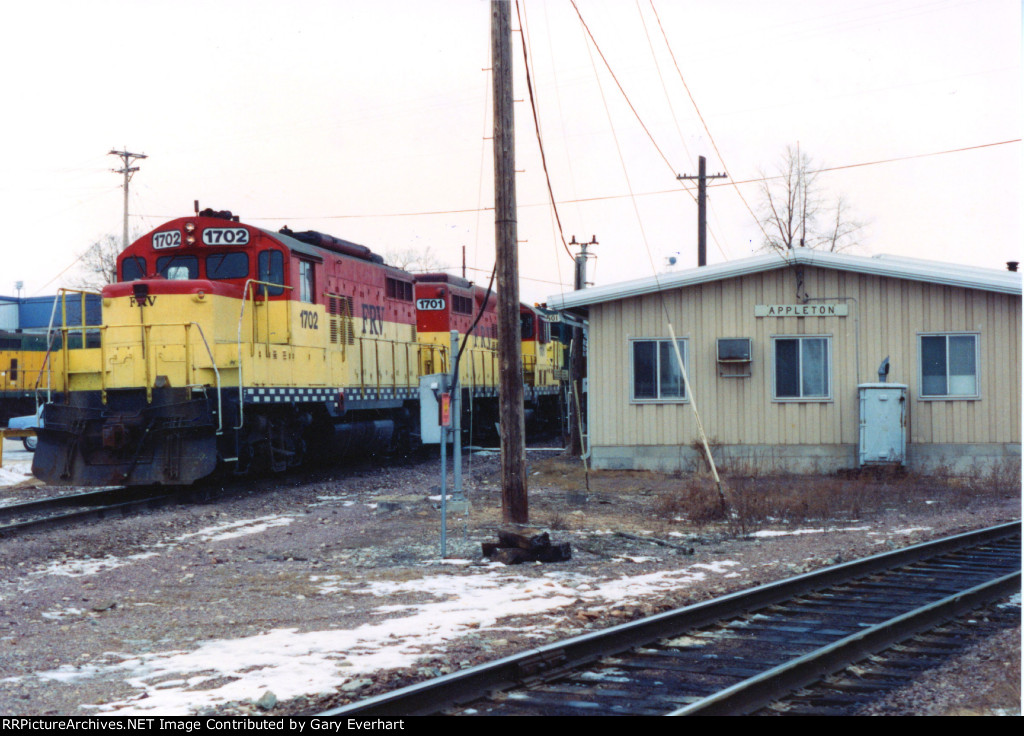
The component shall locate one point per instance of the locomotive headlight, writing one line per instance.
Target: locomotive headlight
(190, 239)
(190, 227)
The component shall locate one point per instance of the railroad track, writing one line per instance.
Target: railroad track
(78, 507)
(117, 501)
(743, 652)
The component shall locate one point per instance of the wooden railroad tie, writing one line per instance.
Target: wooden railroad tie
(527, 545)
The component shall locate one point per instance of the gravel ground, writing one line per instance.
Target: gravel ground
(301, 553)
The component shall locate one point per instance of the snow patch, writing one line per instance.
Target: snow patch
(292, 663)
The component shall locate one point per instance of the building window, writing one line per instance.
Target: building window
(306, 282)
(949, 366)
(803, 368)
(656, 374)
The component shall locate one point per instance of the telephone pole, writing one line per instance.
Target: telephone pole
(127, 170)
(702, 211)
(576, 363)
(581, 261)
(514, 505)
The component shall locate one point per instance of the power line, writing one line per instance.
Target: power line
(621, 89)
(536, 126)
(606, 197)
(699, 115)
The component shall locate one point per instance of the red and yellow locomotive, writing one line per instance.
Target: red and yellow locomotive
(226, 344)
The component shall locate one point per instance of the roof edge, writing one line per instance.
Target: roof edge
(913, 269)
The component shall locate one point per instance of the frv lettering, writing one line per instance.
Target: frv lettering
(373, 319)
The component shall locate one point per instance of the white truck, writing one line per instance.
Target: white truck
(32, 421)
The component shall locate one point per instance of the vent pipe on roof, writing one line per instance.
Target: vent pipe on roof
(1012, 265)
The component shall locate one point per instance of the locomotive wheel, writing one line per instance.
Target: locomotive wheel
(274, 442)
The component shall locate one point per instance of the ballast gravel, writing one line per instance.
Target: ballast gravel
(287, 579)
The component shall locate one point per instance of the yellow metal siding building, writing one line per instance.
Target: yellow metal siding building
(817, 326)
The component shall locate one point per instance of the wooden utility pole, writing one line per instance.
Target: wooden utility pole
(514, 506)
(127, 170)
(702, 209)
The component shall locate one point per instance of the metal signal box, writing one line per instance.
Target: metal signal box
(432, 388)
(883, 424)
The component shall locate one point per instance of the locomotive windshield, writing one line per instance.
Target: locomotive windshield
(178, 267)
(221, 266)
(133, 268)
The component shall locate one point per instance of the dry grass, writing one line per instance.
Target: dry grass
(755, 501)
(563, 497)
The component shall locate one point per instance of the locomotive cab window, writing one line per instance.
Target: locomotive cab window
(306, 290)
(133, 268)
(221, 266)
(271, 271)
(178, 267)
(526, 320)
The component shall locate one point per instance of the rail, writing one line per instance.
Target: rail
(932, 575)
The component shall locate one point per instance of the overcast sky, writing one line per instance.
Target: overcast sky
(368, 120)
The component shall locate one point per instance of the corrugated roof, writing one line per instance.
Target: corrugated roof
(913, 269)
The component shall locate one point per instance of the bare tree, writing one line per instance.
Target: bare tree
(98, 264)
(413, 259)
(795, 210)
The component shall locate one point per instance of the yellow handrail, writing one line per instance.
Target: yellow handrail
(252, 348)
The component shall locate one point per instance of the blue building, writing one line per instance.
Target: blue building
(32, 314)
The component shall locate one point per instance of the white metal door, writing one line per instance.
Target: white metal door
(883, 423)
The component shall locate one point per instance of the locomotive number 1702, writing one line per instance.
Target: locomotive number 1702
(309, 320)
(166, 239)
(225, 236)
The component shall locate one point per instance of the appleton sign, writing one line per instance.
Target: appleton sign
(801, 310)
